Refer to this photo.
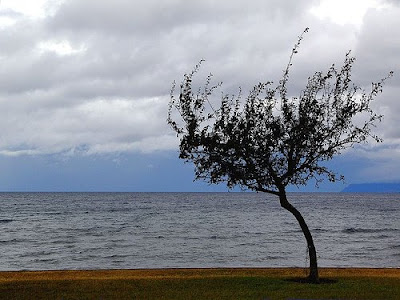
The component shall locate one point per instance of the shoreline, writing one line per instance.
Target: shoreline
(191, 273)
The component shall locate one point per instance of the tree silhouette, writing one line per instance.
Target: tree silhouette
(272, 140)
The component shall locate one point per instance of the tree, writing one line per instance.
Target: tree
(272, 140)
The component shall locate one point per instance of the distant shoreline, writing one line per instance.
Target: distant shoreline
(372, 188)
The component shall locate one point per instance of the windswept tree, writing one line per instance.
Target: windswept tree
(272, 140)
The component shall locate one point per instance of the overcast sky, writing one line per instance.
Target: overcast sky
(84, 84)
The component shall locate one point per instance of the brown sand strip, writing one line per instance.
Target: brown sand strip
(192, 273)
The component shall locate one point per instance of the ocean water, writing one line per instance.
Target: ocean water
(47, 231)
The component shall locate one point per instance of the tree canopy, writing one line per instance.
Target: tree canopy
(273, 140)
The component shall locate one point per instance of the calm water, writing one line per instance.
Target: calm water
(159, 230)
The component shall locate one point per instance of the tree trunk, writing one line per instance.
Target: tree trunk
(313, 276)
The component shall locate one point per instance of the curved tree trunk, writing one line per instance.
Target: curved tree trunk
(313, 276)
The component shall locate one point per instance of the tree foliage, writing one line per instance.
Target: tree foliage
(272, 139)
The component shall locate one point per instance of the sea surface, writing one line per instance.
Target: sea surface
(47, 231)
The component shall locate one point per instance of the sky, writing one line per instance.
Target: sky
(84, 84)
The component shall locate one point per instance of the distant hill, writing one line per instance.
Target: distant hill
(373, 188)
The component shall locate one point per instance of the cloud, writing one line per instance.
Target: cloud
(93, 127)
(377, 53)
(91, 77)
(378, 46)
(124, 17)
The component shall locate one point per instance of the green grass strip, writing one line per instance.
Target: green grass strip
(200, 284)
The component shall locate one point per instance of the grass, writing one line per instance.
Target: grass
(200, 284)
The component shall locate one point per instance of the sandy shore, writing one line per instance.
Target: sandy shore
(10, 276)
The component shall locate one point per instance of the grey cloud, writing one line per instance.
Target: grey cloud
(10, 13)
(388, 105)
(20, 38)
(112, 96)
(378, 45)
(132, 17)
(377, 53)
(395, 2)
(102, 122)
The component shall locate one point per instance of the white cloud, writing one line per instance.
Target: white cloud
(31, 9)
(345, 11)
(60, 47)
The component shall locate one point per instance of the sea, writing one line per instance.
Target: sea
(70, 231)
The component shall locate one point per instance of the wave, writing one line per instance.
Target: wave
(394, 246)
(45, 260)
(351, 230)
(271, 257)
(3, 221)
(13, 241)
(321, 230)
(76, 231)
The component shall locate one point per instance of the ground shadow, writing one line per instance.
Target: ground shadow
(307, 280)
